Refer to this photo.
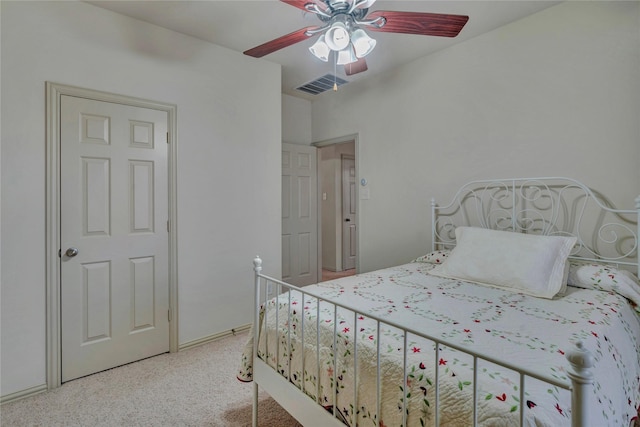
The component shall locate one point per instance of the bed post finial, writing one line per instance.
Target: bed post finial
(581, 361)
(257, 264)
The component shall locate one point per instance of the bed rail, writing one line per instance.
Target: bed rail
(311, 413)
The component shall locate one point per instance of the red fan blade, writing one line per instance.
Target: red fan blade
(356, 67)
(427, 24)
(279, 43)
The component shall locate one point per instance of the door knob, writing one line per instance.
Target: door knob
(71, 252)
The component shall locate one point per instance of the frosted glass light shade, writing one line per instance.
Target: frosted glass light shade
(337, 37)
(362, 43)
(346, 56)
(320, 49)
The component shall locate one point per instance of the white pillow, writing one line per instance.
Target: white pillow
(435, 257)
(591, 275)
(527, 263)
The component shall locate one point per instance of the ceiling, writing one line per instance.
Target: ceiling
(241, 24)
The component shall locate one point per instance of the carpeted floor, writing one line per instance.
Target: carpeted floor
(331, 275)
(195, 387)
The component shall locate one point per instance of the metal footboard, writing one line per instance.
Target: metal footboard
(295, 399)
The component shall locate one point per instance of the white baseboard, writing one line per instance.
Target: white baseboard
(32, 391)
(210, 338)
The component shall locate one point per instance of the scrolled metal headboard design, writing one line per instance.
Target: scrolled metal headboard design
(544, 206)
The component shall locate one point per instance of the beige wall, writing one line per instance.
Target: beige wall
(228, 171)
(554, 94)
(296, 120)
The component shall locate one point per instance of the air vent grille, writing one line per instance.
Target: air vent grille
(321, 84)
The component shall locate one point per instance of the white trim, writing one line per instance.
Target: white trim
(214, 337)
(52, 224)
(342, 234)
(338, 140)
(23, 394)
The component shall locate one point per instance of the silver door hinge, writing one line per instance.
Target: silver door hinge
(167, 226)
(169, 315)
(167, 137)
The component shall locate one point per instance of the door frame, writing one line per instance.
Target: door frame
(54, 92)
(344, 237)
(354, 137)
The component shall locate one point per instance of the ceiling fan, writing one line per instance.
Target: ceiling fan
(342, 30)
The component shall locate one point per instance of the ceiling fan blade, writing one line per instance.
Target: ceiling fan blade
(279, 43)
(427, 24)
(356, 67)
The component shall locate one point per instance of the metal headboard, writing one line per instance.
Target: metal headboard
(545, 206)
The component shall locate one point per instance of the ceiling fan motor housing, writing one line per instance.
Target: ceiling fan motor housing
(335, 5)
(335, 8)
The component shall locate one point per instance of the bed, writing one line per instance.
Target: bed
(482, 330)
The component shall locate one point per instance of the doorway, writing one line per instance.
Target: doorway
(338, 208)
(111, 231)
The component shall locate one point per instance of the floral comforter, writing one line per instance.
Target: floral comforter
(531, 332)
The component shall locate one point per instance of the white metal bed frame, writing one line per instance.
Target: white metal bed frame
(547, 206)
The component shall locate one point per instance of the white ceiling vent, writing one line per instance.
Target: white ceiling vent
(321, 84)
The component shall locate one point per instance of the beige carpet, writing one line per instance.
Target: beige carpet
(331, 275)
(195, 387)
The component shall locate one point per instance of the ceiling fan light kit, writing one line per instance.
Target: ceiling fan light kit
(344, 36)
(341, 37)
(342, 30)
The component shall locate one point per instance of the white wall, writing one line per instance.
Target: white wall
(556, 93)
(296, 120)
(229, 162)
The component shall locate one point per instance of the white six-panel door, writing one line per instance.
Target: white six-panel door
(113, 234)
(299, 214)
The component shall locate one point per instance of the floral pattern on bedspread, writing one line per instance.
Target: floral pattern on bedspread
(531, 332)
